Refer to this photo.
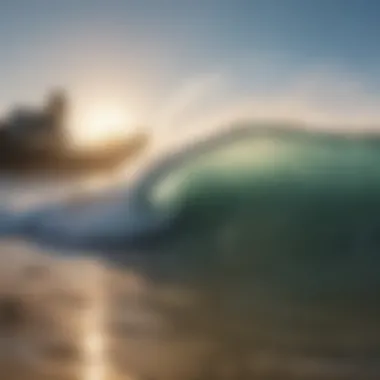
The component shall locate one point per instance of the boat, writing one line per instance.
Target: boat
(21, 158)
(34, 140)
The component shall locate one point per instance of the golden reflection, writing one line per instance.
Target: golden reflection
(94, 334)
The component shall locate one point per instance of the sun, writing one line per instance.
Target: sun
(101, 123)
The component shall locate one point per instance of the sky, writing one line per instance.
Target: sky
(142, 52)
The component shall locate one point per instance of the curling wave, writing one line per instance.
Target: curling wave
(207, 181)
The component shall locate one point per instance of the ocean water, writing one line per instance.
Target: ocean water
(250, 255)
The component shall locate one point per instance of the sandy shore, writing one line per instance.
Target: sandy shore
(77, 318)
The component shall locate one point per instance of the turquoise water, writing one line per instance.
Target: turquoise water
(301, 213)
(282, 165)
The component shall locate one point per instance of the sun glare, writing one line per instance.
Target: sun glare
(100, 124)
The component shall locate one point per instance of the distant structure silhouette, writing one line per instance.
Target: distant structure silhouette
(43, 129)
(56, 111)
(33, 139)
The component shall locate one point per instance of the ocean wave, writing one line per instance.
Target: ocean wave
(208, 179)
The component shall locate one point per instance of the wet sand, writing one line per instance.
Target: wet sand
(75, 317)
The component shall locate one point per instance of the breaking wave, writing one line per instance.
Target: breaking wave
(246, 166)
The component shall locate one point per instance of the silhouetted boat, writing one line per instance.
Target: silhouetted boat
(22, 157)
(34, 140)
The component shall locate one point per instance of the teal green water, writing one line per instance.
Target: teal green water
(306, 165)
(299, 213)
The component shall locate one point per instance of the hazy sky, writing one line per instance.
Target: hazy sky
(141, 50)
